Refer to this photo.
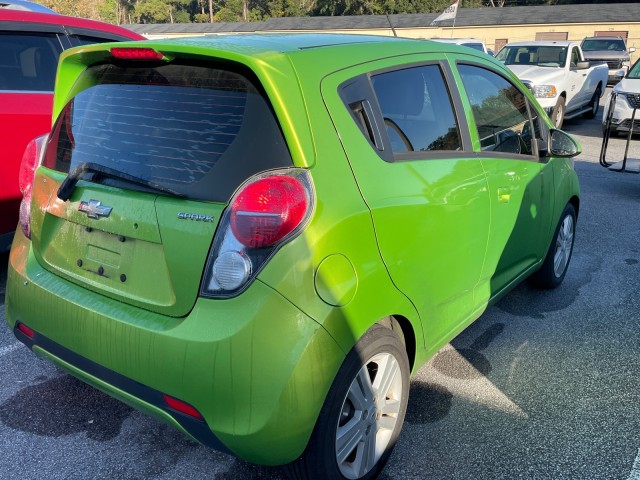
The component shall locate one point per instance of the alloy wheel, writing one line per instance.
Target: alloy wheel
(564, 245)
(369, 415)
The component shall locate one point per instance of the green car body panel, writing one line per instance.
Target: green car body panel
(432, 248)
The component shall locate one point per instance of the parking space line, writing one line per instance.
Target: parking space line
(635, 470)
(9, 349)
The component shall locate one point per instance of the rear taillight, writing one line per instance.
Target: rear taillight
(267, 211)
(31, 160)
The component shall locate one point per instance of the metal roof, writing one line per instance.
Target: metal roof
(541, 14)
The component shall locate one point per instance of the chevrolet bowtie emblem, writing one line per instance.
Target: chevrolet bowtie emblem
(94, 209)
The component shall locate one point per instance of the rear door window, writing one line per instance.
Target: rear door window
(417, 110)
(197, 130)
(28, 61)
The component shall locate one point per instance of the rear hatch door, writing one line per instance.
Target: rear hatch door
(138, 170)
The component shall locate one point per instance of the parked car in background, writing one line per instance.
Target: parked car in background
(465, 42)
(612, 51)
(30, 44)
(627, 93)
(258, 237)
(24, 5)
(561, 80)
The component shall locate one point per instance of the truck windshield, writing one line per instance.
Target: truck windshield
(475, 46)
(542, 56)
(598, 44)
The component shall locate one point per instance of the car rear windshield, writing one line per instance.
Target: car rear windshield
(197, 130)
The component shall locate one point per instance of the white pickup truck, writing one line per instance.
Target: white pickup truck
(562, 81)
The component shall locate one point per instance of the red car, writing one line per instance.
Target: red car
(30, 44)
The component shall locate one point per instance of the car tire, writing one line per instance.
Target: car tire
(358, 427)
(556, 262)
(594, 105)
(557, 116)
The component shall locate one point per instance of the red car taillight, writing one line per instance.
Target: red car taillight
(267, 211)
(31, 160)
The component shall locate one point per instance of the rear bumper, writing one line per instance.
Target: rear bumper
(255, 367)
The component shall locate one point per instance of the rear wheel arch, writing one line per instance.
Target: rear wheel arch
(403, 328)
(575, 201)
(353, 402)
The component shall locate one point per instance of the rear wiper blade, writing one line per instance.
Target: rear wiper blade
(68, 186)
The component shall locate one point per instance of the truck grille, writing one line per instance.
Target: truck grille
(626, 125)
(612, 64)
(633, 99)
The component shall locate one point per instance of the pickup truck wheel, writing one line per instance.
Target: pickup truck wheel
(557, 116)
(593, 105)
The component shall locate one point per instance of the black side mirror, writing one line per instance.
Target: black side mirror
(561, 144)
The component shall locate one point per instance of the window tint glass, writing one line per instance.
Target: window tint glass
(79, 40)
(475, 46)
(28, 61)
(196, 130)
(417, 110)
(635, 70)
(500, 111)
(542, 56)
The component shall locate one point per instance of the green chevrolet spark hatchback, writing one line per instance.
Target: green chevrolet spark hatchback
(257, 238)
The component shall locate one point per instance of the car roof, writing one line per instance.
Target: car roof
(10, 16)
(457, 40)
(604, 37)
(252, 45)
(540, 43)
(25, 6)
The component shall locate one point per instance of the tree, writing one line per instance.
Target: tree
(152, 11)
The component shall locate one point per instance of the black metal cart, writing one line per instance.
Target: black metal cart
(628, 165)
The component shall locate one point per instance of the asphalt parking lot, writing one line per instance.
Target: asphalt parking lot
(545, 385)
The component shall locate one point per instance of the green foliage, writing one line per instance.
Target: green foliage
(152, 11)
(226, 15)
(201, 18)
(182, 16)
